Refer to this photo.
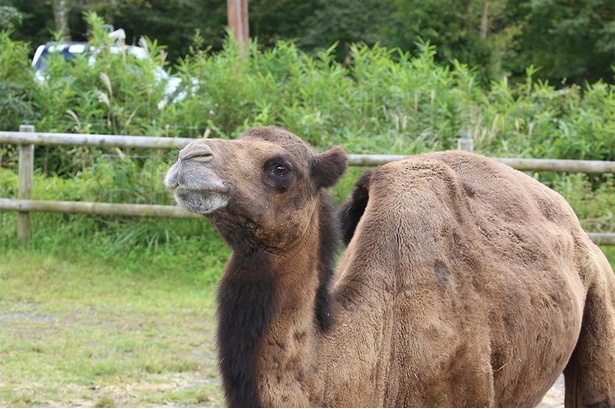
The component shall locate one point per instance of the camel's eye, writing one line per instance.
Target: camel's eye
(281, 170)
(278, 167)
(279, 174)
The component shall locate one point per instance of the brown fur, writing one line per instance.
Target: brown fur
(465, 282)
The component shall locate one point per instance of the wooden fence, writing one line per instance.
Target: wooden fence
(26, 138)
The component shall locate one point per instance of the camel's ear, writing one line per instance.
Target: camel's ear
(328, 167)
(351, 212)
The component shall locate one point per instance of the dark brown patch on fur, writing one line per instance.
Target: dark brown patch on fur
(329, 238)
(246, 306)
(351, 211)
(470, 191)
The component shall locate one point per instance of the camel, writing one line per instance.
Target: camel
(464, 282)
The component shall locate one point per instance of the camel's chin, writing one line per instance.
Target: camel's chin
(201, 202)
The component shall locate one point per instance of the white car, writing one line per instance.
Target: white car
(69, 50)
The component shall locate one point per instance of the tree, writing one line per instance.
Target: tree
(10, 18)
(172, 22)
(571, 41)
(459, 30)
(346, 22)
(272, 20)
(60, 16)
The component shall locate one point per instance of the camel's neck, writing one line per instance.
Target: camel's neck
(271, 308)
(246, 308)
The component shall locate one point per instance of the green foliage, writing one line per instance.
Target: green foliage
(571, 41)
(104, 91)
(37, 20)
(10, 18)
(346, 22)
(387, 101)
(17, 81)
(574, 42)
(121, 241)
(380, 101)
(538, 120)
(111, 93)
(594, 207)
(455, 31)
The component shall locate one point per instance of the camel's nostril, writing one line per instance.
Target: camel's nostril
(202, 157)
(201, 153)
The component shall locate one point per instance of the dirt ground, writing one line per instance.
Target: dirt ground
(555, 397)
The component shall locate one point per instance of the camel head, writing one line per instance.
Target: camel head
(259, 190)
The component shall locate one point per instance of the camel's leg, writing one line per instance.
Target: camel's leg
(590, 373)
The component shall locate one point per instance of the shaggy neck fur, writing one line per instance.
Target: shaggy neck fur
(268, 301)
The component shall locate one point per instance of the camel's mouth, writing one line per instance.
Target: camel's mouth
(201, 201)
(197, 188)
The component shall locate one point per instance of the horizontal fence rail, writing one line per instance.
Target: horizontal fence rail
(101, 141)
(26, 138)
(116, 209)
(156, 142)
(555, 165)
(605, 239)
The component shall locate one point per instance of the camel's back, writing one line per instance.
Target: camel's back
(480, 203)
(476, 261)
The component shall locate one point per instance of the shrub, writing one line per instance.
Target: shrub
(17, 81)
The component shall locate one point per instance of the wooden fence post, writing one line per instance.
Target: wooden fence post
(26, 168)
(465, 144)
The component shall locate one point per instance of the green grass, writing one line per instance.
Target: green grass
(79, 329)
(84, 332)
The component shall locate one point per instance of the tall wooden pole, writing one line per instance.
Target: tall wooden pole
(484, 20)
(237, 12)
(60, 16)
